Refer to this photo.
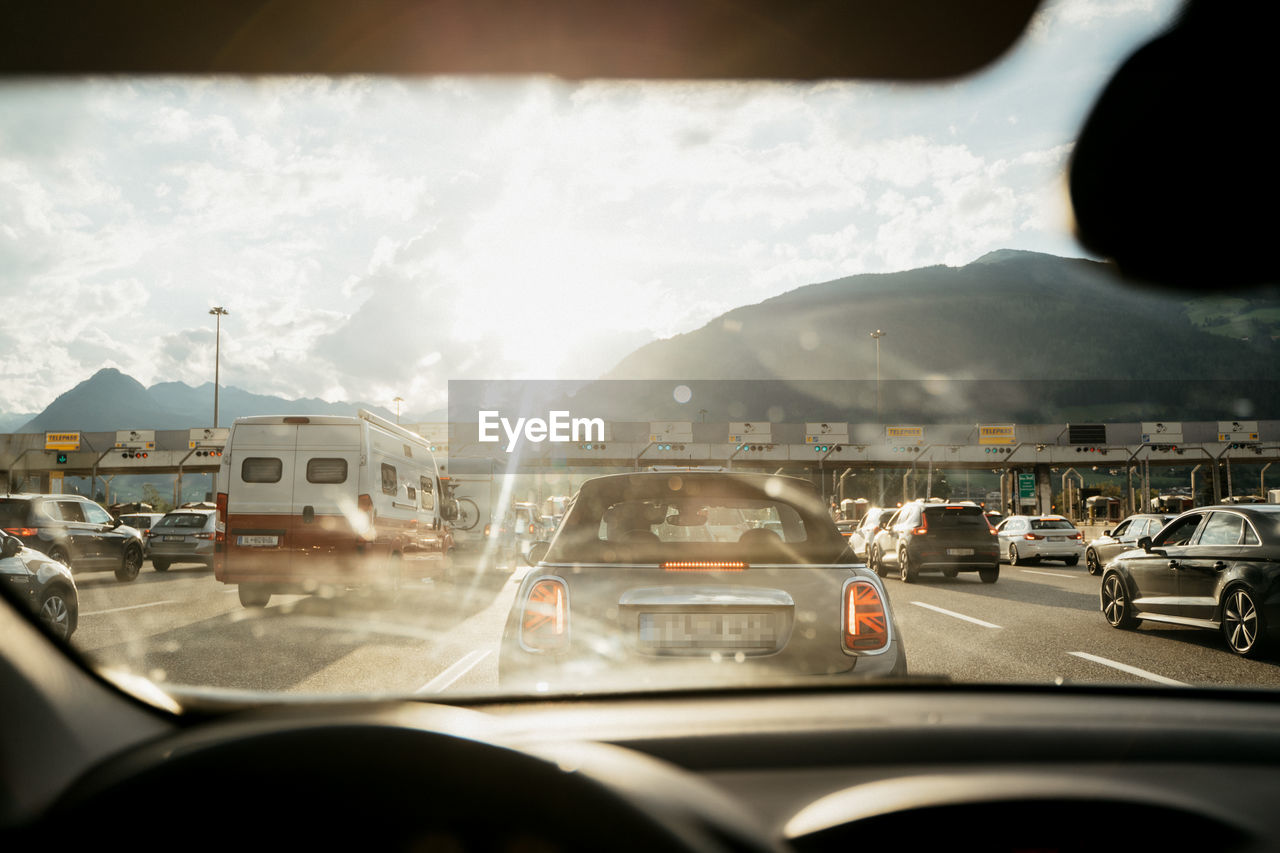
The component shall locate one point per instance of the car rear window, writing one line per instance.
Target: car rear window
(13, 513)
(1051, 524)
(183, 520)
(261, 469)
(955, 516)
(655, 519)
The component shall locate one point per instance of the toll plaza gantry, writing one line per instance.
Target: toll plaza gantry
(40, 462)
(1033, 460)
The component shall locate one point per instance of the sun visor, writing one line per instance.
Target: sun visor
(653, 39)
(1174, 175)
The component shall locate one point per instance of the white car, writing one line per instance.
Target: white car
(1032, 538)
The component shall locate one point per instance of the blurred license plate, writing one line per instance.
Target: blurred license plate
(258, 541)
(959, 552)
(1057, 539)
(174, 538)
(708, 630)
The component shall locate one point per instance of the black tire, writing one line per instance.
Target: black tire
(1092, 563)
(254, 595)
(58, 612)
(130, 564)
(876, 564)
(906, 569)
(1116, 607)
(1072, 561)
(991, 574)
(1014, 559)
(59, 554)
(468, 514)
(159, 565)
(950, 573)
(1244, 626)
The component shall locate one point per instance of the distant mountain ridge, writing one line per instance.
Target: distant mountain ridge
(1007, 315)
(111, 400)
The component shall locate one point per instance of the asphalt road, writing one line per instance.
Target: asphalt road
(1038, 624)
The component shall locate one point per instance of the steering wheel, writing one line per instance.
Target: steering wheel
(381, 785)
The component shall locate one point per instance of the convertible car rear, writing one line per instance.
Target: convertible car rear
(696, 577)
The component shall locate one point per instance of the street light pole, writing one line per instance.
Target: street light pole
(218, 312)
(877, 335)
(398, 401)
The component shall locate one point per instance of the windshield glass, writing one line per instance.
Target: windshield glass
(409, 342)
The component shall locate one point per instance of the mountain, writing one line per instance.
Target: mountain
(111, 400)
(1008, 315)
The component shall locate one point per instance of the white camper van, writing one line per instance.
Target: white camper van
(309, 502)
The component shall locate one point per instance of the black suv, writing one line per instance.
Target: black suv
(936, 537)
(73, 530)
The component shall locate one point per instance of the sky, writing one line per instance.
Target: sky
(373, 238)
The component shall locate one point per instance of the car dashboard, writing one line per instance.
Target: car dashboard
(917, 763)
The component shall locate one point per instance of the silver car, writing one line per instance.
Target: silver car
(1032, 538)
(1124, 537)
(696, 578)
(183, 536)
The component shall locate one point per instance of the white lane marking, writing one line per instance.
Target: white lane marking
(1132, 670)
(130, 607)
(956, 615)
(1049, 574)
(453, 673)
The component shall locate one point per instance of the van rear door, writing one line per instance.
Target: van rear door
(260, 501)
(328, 522)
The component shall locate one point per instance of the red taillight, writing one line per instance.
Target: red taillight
(865, 625)
(222, 517)
(531, 528)
(364, 503)
(21, 531)
(1031, 536)
(922, 529)
(1079, 536)
(544, 625)
(704, 566)
(487, 527)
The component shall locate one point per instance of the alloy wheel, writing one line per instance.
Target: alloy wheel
(1115, 603)
(55, 613)
(1241, 622)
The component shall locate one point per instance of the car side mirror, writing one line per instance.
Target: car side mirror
(1106, 533)
(537, 551)
(449, 510)
(115, 522)
(1145, 544)
(10, 547)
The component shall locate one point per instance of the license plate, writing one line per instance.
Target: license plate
(708, 630)
(173, 538)
(1057, 539)
(959, 552)
(258, 541)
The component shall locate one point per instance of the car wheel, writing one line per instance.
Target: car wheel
(1071, 561)
(906, 569)
(873, 561)
(254, 595)
(159, 565)
(1243, 624)
(130, 564)
(1014, 559)
(1115, 603)
(56, 611)
(1092, 563)
(59, 554)
(990, 574)
(950, 573)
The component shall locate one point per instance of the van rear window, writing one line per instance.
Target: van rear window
(261, 469)
(326, 471)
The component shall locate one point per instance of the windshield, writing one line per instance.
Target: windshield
(409, 342)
